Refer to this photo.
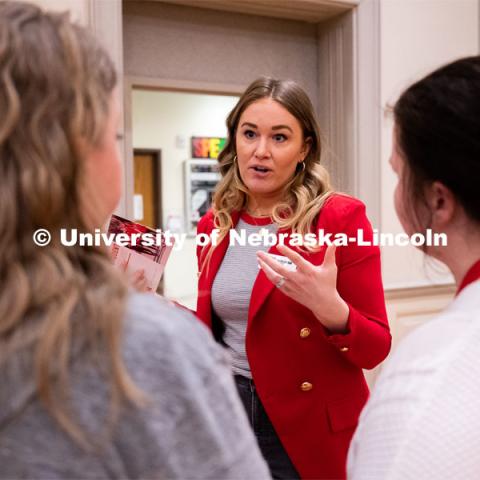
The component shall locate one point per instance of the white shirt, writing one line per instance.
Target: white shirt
(423, 418)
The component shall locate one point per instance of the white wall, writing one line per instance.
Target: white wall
(416, 37)
(158, 118)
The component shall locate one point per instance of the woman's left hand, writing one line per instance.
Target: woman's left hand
(137, 279)
(313, 286)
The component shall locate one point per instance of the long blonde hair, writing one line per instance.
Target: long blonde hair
(304, 195)
(56, 83)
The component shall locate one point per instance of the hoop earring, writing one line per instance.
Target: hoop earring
(303, 166)
(234, 159)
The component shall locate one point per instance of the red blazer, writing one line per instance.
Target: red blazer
(316, 425)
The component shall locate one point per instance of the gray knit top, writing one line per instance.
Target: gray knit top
(232, 289)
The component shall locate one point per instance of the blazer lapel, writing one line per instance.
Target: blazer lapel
(209, 272)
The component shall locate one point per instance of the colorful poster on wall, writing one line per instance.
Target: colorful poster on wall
(207, 147)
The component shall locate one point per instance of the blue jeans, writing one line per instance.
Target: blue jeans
(272, 449)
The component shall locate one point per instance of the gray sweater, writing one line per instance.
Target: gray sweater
(231, 292)
(194, 428)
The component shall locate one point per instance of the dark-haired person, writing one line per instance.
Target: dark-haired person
(95, 381)
(423, 419)
(298, 339)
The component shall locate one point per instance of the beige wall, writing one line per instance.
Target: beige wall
(416, 37)
(79, 9)
(184, 43)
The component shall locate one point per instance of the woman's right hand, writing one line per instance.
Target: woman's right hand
(314, 286)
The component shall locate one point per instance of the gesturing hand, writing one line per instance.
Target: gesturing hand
(313, 286)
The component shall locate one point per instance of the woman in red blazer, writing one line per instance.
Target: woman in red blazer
(301, 329)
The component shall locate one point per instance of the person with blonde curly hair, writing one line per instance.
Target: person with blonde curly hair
(300, 330)
(96, 381)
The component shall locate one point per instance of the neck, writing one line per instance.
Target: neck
(258, 212)
(460, 264)
(261, 207)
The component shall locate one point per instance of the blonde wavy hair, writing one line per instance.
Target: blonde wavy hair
(56, 85)
(305, 193)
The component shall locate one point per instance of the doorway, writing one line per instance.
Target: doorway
(169, 125)
(147, 199)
